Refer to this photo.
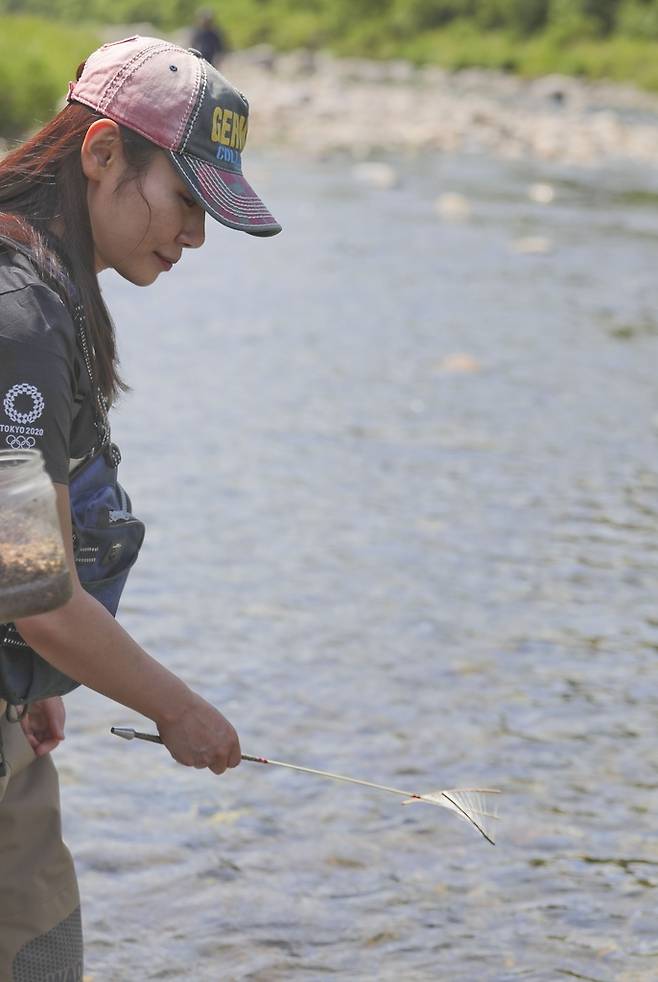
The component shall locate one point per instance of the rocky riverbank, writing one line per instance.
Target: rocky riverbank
(319, 105)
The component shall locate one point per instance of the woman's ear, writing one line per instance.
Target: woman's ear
(102, 149)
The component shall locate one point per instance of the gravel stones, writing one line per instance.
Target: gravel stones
(34, 578)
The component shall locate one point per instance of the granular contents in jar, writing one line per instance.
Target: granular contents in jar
(33, 578)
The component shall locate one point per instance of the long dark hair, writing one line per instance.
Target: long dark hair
(42, 180)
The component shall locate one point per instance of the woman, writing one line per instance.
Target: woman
(149, 142)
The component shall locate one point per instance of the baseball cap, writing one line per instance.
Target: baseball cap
(180, 102)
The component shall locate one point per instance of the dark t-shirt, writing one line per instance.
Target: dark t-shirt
(46, 398)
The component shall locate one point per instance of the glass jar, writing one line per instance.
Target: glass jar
(34, 577)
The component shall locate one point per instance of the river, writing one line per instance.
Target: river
(400, 483)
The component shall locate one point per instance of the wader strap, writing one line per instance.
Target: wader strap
(3, 765)
(13, 714)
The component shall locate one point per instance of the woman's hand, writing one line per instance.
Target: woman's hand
(199, 736)
(43, 724)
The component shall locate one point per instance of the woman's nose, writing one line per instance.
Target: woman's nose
(194, 234)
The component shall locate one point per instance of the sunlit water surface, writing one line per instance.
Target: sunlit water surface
(378, 562)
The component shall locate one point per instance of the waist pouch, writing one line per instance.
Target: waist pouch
(106, 541)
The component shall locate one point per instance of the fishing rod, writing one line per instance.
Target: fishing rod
(468, 803)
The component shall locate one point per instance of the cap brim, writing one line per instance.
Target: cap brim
(226, 196)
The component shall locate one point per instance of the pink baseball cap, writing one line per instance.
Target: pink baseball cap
(176, 99)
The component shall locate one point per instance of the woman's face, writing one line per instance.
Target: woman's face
(140, 225)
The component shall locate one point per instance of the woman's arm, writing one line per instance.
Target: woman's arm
(84, 641)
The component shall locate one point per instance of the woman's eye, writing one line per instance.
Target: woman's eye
(190, 202)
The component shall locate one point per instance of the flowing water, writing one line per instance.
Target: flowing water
(385, 560)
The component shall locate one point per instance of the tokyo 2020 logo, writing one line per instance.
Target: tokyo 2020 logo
(23, 389)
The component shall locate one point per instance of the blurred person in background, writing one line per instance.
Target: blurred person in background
(208, 38)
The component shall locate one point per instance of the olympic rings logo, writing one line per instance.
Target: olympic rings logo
(20, 442)
(38, 403)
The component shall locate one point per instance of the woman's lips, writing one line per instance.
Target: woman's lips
(166, 264)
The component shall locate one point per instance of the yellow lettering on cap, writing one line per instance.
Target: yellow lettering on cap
(216, 124)
(226, 126)
(234, 130)
(241, 137)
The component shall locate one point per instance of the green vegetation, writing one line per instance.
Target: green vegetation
(621, 59)
(163, 13)
(376, 23)
(37, 60)
(613, 39)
